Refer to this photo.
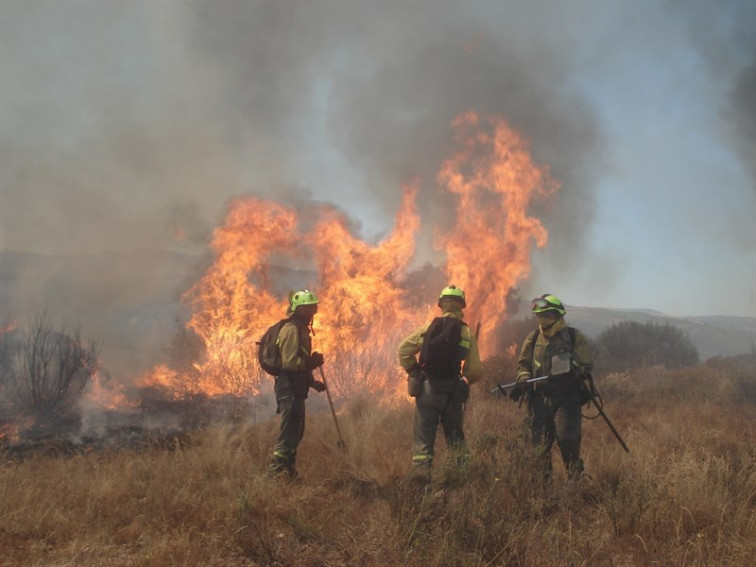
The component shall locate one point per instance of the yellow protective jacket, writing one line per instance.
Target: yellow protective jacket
(296, 346)
(537, 357)
(472, 367)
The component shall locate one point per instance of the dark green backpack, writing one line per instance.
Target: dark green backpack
(268, 350)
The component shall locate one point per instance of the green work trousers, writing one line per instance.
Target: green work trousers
(432, 408)
(557, 418)
(292, 410)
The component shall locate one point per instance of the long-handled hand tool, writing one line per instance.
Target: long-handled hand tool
(341, 443)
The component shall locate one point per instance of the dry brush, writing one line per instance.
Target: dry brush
(685, 495)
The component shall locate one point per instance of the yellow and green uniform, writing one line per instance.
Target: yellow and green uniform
(291, 388)
(443, 396)
(554, 404)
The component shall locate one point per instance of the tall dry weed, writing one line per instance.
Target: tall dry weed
(685, 495)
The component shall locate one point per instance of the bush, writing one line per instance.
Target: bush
(50, 368)
(631, 344)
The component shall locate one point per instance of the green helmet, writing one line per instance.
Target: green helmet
(547, 302)
(302, 297)
(452, 292)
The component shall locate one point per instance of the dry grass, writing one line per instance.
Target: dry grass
(686, 495)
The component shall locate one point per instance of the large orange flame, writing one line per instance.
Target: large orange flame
(488, 251)
(363, 307)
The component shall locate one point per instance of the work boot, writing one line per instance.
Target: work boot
(575, 469)
(420, 476)
(281, 468)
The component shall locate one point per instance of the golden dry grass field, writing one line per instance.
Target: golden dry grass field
(684, 495)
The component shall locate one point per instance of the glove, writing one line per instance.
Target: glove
(316, 359)
(415, 380)
(519, 391)
(318, 386)
(414, 369)
(463, 390)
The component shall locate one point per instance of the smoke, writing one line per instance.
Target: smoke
(727, 46)
(130, 125)
(741, 113)
(366, 93)
(143, 128)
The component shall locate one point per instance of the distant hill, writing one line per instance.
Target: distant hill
(719, 335)
(130, 301)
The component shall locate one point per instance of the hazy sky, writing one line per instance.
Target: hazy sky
(123, 121)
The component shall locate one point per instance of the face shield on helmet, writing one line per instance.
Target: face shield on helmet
(452, 292)
(547, 302)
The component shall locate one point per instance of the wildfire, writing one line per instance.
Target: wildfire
(9, 433)
(110, 396)
(363, 307)
(8, 328)
(488, 251)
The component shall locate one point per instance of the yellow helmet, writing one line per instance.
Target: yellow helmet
(452, 292)
(547, 302)
(302, 297)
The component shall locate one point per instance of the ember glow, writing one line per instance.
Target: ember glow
(9, 433)
(8, 328)
(110, 396)
(363, 307)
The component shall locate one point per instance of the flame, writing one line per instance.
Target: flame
(9, 433)
(8, 328)
(512, 350)
(488, 250)
(108, 396)
(363, 311)
(171, 381)
(231, 311)
(361, 298)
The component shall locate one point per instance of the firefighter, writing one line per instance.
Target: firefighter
(439, 380)
(563, 353)
(295, 380)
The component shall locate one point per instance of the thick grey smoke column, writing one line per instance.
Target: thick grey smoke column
(129, 125)
(742, 114)
(125, 121)
(377, 86)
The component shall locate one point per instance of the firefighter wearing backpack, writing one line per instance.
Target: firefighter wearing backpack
(439, 380)
(563, 353)
(294, 379)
